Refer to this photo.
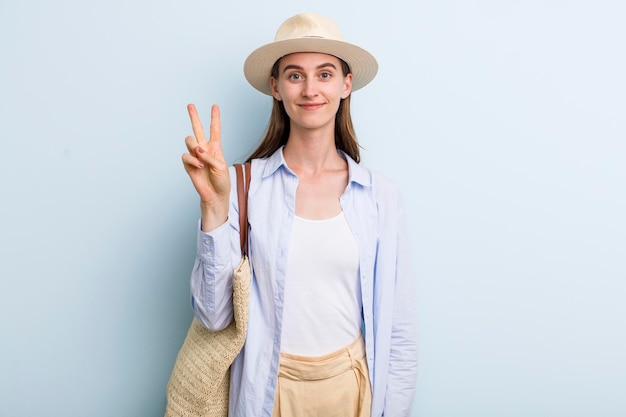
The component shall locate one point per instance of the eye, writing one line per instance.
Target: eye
(325, 75)
(295, 76)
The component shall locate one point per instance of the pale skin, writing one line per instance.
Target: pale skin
(310, 85)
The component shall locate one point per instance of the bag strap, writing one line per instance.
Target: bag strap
(243, 186)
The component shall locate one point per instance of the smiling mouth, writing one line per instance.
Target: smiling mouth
(311, 106)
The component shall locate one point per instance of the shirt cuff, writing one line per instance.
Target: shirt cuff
(213, 247)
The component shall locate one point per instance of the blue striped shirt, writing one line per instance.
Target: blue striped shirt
(374, 212)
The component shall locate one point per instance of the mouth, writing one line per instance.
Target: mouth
(311, 106)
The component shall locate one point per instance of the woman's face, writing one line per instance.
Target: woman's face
(311, 86)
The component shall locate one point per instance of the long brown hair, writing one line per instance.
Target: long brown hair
(277, 131)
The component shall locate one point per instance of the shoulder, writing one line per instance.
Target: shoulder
(375, 191)
(369, 178)
(383, 187)
(267, 167)
(383, 183)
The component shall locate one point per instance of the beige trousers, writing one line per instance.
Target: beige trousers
(334, 385)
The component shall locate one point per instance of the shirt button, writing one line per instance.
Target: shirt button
(206, 241)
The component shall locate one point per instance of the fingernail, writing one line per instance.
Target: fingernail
(199, 149)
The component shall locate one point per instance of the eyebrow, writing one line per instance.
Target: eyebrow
(298, 67)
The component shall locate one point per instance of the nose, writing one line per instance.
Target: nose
(308, 88)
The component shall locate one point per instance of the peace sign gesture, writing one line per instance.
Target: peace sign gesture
(207, 168)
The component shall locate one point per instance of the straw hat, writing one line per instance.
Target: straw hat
(308, 32)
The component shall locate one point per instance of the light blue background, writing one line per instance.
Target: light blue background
(503, 122)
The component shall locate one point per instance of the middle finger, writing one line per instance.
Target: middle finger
(196, 125)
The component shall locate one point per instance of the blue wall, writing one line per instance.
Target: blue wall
(503, 122)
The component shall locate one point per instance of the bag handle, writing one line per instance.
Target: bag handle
(243, 186)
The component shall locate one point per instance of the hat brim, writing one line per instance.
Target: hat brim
(258, 66)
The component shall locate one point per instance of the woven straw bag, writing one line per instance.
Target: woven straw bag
(200, 380)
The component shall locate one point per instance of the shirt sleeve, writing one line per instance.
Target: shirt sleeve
(217, 254)
(403, 350)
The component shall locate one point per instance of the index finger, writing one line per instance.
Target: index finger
(196, 125)
(215, 129)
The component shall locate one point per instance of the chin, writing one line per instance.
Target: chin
(312, 122)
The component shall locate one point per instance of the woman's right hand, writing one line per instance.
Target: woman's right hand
(207, 169)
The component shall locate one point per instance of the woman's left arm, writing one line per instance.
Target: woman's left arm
(403, 353)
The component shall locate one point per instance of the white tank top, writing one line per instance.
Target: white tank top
(322, 305)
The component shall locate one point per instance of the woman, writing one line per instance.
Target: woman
(331, 320)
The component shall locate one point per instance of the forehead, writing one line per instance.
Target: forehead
(309, 59)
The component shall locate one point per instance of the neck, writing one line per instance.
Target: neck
(309, 152)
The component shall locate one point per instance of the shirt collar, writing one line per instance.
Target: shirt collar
(357, 173)
(274, 162)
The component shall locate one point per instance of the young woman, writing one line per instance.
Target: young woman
(332, 326)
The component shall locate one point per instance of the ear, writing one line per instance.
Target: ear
(347, 86)
(274, 87)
